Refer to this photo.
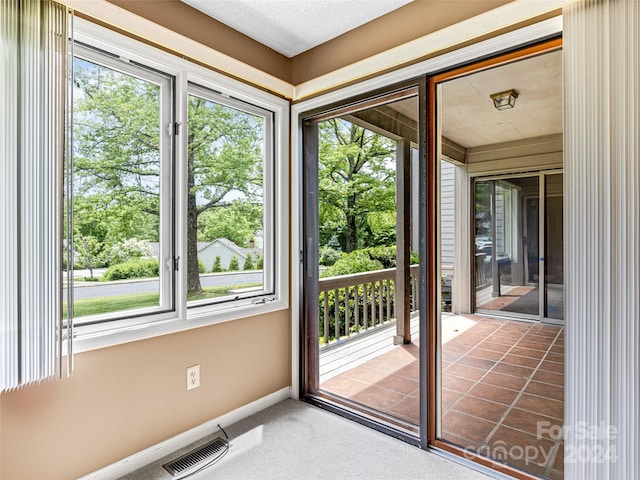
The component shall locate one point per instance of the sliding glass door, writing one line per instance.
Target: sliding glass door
(410, 225)
(518, 257)
(362, 265)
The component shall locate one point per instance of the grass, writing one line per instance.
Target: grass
(96, 306)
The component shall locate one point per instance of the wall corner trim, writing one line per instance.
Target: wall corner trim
(170, 445)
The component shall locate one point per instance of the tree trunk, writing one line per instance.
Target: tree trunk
(351, 224)
(193, 274)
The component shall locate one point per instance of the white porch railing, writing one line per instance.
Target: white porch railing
(353, 304)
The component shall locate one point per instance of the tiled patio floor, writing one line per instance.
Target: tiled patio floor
(502, 390)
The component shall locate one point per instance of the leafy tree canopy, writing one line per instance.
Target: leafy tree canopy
(356, 178)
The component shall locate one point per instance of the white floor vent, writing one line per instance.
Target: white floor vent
(196, 460)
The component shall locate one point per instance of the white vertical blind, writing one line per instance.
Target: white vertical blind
(32, 94)
(602, 231)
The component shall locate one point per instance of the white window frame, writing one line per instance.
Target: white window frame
(88, 337)
(266, 293)
(165, 257)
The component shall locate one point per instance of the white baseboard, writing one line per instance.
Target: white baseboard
(162, 449)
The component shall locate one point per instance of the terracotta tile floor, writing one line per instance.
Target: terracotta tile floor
(502, 390)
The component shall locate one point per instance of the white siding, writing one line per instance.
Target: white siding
(447, 212)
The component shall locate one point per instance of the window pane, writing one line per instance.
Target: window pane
(120, 257)
(226, 236)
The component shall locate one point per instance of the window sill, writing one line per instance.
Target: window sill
(87, 339)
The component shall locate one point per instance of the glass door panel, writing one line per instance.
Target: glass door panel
(507, 246)
(363, 309)
(554, 246)
(498, 374)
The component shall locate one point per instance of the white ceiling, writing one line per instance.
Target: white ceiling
(470, 119)
(291, 27)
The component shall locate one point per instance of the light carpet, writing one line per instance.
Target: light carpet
(295, 440)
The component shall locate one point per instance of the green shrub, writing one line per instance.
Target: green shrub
(248, 263)
(217, 265)
(137, 268)
(202, 268)
(126, 250)
(328, 256)
(260, 263)
(234, 265)
(354, 262)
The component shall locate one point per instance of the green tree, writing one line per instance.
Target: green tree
(234, 265)
(217, 265)
(117, 162)
(116, 151)
(126, 250)
(356, 177)
(248, 263)
(90, 252)
(237, 221)
(225, 163)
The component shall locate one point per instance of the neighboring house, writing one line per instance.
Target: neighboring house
(226, 249)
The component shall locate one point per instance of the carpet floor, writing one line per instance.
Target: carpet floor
(294, 440)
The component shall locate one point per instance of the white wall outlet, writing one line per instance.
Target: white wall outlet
(193, 377)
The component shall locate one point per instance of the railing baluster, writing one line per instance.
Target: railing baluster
(346, 312)
(381, 304)
(365, 306)
(373, 304)
(336, 311)
(326, 318)
(356, 305)
(388, 300)
(414, 292)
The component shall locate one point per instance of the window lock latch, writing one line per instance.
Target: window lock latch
(176, 263)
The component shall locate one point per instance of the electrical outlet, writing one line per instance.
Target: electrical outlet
(193, 377)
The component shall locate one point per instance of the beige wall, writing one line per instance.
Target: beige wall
(123, 399)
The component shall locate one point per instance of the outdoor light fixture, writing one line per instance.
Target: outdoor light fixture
(504, 100)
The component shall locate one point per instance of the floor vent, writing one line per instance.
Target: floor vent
(203, 456)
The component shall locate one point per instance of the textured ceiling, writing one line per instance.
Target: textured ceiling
(470, 119)
(291, 27)
(468, 115)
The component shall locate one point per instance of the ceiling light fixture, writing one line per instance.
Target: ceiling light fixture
(504, 100)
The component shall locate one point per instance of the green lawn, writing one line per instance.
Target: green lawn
(96, 306)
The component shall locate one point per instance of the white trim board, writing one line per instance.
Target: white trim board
(166, 447)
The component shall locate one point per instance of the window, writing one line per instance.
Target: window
(177, 175)
(122, 189)
(228, 199)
